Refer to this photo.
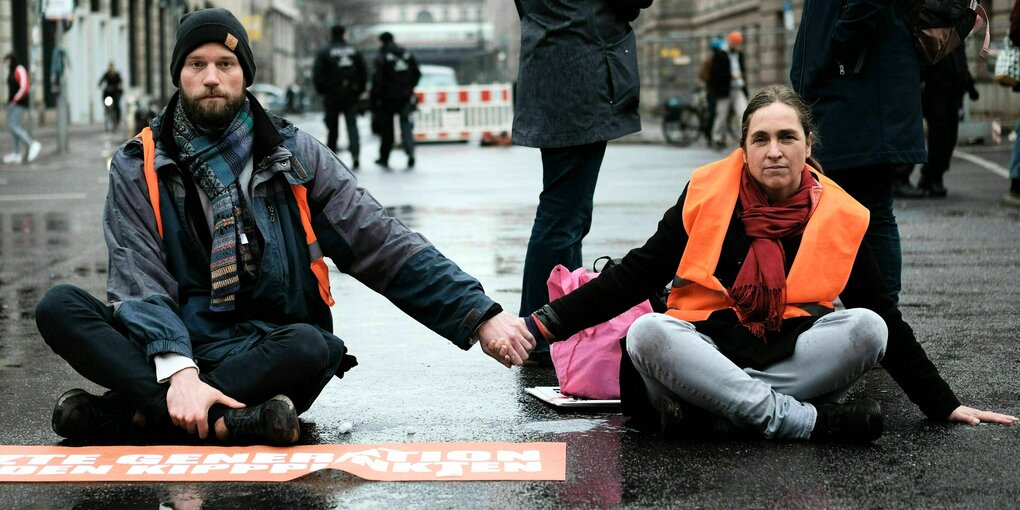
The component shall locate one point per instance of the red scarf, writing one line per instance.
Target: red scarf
(760, 287)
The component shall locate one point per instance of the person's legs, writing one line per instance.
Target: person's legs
(1013, 196)
(351, 121)
(562, 219)
(722, 115)
(943, 128)
(385, 125)
(407, 131)
(829, 357)
(677, 362)
(872, 187)
(332, 123)
(82, 330)
(296, 360)
(14, 115)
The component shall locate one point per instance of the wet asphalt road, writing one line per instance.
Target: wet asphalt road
(961, 274)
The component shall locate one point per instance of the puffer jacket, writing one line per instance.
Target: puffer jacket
(160, 289)
(855, 63)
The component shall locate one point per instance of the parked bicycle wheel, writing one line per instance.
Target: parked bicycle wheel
(682, 128)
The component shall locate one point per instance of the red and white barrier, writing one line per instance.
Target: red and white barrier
(464, 112)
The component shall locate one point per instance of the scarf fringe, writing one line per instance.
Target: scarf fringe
(760, 308)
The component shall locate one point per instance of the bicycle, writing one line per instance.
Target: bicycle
(111, 118)
(683, 123)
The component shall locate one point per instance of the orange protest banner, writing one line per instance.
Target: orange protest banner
(385, 462)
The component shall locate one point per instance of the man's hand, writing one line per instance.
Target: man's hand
(506, 339)
(971, 416)
(188, 401)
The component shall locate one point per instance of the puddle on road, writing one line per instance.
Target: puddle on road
(563, 426)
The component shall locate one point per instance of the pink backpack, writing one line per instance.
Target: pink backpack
(588, 363)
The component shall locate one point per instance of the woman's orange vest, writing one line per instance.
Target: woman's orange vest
(819, 272)
(318, 265)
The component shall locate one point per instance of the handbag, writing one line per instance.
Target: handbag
(1007, 65)
(588, 363)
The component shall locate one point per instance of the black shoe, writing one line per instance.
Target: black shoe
(903, 189)
(671, 418)
(80, 415)
(410, 162)
(933, 187)
(273, 422)
(856, 421)
(356, 165)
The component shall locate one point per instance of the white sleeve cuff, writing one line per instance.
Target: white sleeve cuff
(169, 363)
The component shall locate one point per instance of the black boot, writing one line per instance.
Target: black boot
(273, 422)
(856, 421)
(80, 415)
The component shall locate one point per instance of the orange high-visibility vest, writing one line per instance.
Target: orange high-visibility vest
(317, 263)
(819, 272)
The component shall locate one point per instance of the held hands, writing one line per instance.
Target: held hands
(505, 339)
(188, 401)
(971, 416)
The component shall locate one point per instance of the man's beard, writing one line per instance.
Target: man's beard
(211, 116)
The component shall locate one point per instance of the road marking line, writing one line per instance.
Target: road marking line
(992, 167)
(42, 196)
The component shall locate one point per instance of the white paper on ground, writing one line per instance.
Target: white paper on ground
(551, 395)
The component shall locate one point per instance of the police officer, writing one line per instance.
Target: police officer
(393, 80)
(340, 74)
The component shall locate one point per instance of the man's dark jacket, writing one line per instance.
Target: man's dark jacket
(720, 80)
(859, 70)
(578, 80)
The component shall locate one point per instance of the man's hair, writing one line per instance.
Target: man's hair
(385, 37)
(336, 33)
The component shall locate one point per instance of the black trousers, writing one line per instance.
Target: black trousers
(295, 360)
(334, 108)
(942, 111)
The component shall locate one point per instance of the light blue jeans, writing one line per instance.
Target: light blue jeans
(678, 362)
(14, 114)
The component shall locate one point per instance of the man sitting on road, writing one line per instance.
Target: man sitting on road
(219, 321)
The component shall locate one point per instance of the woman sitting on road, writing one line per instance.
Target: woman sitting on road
(758, 247)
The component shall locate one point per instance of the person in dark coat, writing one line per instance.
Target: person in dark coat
(943, 85)
(340, 76)
(855, 63)
(727, 83)
(577, 89)
(394, 77)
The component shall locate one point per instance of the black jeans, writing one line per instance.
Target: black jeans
(295, 360)
(334, 108)
(563, 218)
(872, 187)
(403, 109)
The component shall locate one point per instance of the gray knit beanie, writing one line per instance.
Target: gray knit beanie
(211, 25)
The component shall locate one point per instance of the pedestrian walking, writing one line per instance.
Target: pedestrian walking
(577, 89)
(18, 87)
(340, 77)
(728, 85)
(758, 247)
(943, 85)
(394, 77)
(855, 63)
(113, 88)
(217, 221)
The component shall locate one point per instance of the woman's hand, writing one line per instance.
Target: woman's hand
(971, 416)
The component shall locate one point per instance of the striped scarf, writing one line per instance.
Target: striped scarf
(215, 162)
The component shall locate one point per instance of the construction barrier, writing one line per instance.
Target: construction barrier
(463, 112)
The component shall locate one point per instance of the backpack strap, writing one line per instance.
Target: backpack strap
(982, 17)
(151, 180)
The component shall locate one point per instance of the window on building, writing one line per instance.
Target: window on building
(424, 17)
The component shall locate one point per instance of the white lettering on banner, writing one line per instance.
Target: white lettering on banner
(140, 459)
(9, 459)
(80, 459)
(269, 458)
(221, 458)
(310, 458)
(183, 458)
(456, 463)
(202, 469)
